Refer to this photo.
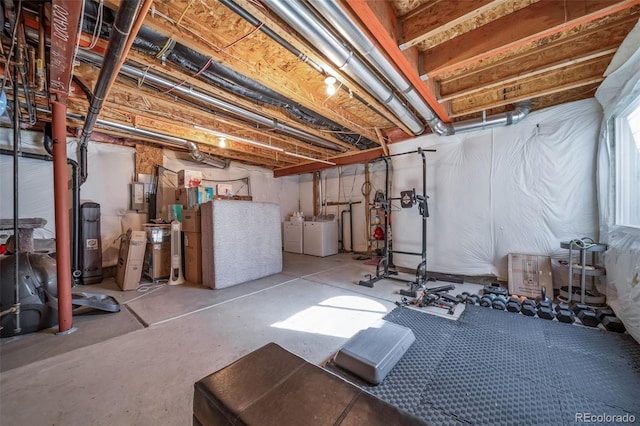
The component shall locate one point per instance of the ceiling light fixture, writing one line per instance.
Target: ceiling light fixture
(309, 158)
(222, 142)
(222, 136)
(330, 81)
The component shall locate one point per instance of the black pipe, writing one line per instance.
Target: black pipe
(150, 42)
(425, 212)
(16, 151)
(342, 222)
(120, 31)
(351, 226)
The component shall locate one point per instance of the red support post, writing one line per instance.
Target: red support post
(63, 247)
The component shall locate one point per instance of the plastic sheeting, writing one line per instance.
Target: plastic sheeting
(516, 189)
(111, 168)
(622, 258)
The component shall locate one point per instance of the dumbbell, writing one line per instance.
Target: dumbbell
(562, 307)
(588, 318)
(577, 307)
(500, 302)
(565, 315)
(514, 305)
(545, 309)
(612, 323)
(487, 300)
(472, 299)
(462, 298)
(529, 308)
(604, 312)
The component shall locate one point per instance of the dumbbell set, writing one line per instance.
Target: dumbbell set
(563, 312)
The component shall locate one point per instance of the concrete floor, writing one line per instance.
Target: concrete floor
(138, 366)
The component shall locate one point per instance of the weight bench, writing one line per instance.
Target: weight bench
(272, 386)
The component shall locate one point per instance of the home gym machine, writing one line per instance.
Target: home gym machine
(407, 200)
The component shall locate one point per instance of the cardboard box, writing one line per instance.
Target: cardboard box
(157, 261)
(189, 178)
(131, 259)
(193, 257)
(191, 198)
(174, 212)
(191, 220)
(528, 273)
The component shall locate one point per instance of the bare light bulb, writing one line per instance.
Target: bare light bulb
(222, 142)
(330, 81)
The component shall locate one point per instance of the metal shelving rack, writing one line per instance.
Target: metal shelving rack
(585, 270)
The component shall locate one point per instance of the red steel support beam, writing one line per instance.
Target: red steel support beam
(63, 247)
(65, 20)
(363, 11)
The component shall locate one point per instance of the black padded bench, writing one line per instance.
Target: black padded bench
(272, 386)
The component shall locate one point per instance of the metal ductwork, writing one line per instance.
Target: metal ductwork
(150, 77)
(195, 152)
(505, 119)
(304, 22)
(342, 23)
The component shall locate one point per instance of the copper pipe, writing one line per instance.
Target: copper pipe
(63, 249)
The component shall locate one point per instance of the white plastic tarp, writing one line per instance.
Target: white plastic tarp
(622, 259)
(515, 189)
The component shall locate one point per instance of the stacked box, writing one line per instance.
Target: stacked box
(189, 178)
(193, 257)
(191, 226)
(131, 259)
(175, 212)
(191, 198)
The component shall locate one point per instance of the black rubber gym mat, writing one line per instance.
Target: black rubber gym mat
(498, 368)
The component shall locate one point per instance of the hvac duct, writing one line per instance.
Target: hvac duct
(303, 21)
(195, 152)
(150, 77)
(343, 24)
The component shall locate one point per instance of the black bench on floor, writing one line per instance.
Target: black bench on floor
(272, 386)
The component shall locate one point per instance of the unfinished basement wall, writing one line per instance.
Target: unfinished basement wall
(261, 185)
(111, 169)
(341, 185)
(516, 189)
(622, 259)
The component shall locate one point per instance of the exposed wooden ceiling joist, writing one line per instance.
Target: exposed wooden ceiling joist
(532, 23)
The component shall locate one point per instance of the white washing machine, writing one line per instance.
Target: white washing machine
(321, 238)
(293, 236)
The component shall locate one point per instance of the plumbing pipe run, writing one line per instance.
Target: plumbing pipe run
(303, 20)
(150, 77)
(109, 68)
(16, 216)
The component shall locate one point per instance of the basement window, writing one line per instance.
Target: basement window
(627, 158)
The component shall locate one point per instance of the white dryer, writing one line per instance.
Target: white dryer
(293, 236)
